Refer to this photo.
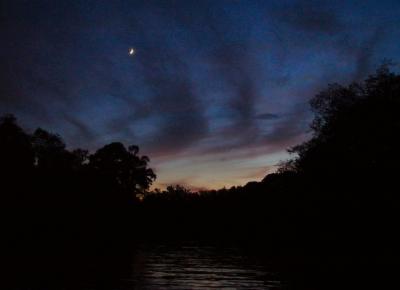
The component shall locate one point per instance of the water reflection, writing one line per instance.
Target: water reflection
(194, 267)
(140, 267)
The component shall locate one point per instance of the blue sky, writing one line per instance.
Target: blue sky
(217, 90)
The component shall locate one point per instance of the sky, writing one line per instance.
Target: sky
(216, 90)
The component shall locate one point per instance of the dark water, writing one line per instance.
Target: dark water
(144, 267)
(195, 267)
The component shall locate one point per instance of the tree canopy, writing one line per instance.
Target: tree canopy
(46, 156)
(355, 130)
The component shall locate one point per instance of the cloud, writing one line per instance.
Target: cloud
(84, 132)
(311, 16)
(331, 27)
(267, 116)
(365, 53)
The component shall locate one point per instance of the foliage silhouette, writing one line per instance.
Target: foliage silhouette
(124, 167)
(16, 152)
(57, 200)
(339, 191)
(354, 129)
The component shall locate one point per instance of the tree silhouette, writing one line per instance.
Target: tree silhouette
(123, 166)
(16, 154)
(50, 151)
(355, 130)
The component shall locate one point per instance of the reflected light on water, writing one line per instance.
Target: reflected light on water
(198, 268)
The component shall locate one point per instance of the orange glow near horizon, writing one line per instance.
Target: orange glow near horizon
(209, 172)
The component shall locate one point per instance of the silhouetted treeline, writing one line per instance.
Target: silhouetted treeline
(337, 194)
(55, 200)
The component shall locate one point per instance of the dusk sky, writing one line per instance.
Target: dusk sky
(215, 92)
